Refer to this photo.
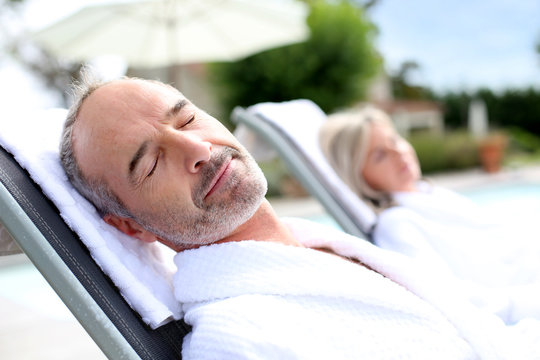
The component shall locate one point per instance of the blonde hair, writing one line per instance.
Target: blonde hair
(344, 140)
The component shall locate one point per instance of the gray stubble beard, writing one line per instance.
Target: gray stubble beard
(214, 220)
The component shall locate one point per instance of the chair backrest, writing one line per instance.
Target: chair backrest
(35, 224)
(292, 128)
(39, 228)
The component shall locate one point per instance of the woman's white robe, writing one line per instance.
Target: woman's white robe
(496, 254)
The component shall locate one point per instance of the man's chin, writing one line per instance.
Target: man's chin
(218, 220)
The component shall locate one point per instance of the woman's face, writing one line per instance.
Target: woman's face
(391, 164)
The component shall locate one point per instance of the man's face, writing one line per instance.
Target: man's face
(179, 171)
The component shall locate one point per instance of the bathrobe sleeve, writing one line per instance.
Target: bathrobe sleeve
(404, 231)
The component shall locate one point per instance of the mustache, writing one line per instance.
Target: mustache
(209, 170)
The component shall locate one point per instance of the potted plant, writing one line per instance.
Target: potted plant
(491, 151)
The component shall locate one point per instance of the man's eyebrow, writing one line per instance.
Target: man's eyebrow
(177, 107)
(135, 160)
(141, 151)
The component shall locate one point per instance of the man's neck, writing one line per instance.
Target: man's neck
(264, 225)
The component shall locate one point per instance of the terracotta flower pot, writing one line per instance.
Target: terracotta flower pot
(491, 152)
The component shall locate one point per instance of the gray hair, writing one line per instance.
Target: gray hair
(344, 140)
(95, 190)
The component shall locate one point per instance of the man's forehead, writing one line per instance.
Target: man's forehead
(128, 99)
(106, 116)
(136, 90)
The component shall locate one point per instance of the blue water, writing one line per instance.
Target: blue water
(500, 193)
(24, 285)
(515, 197)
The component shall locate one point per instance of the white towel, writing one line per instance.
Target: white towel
(300, 121)
(141, 271)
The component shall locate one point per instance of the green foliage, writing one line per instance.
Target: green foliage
(11, 2)
(456, 107)
(452, 151)
(522, 140)
(274, 171)
(518, 108)
(402, 88)
(510, 108)
(456, 150)
(332, 67)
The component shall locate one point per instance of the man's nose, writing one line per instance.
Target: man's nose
(192, 150)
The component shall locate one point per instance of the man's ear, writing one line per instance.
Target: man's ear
(130, 227)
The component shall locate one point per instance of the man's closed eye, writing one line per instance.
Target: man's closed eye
(154, 166)
(183, 123)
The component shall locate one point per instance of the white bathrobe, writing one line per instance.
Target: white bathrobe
(496, 255)
(262, 300)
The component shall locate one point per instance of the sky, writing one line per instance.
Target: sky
(459, 44)
(462, 44)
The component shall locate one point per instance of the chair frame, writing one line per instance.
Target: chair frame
(57, 252)
(300, 167)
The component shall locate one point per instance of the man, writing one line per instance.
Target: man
(251, 285)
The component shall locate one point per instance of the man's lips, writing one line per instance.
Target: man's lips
(220, 178)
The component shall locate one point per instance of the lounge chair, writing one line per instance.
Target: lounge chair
(115, 319)
(291, 128)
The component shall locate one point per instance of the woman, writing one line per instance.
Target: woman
(430, 223)
(369, 155)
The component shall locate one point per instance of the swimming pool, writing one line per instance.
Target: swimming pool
(24, 285)
(517, 198)
(35, 322)
(503, 192)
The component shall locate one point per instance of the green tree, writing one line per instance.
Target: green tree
(332, 68)
(511, 108)
(456, 107)
(518, 108)
(402, 86)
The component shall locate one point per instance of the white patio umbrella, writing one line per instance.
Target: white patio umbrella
(148, 34)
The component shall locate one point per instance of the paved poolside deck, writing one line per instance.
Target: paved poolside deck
(28, 333)
(37, 325)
